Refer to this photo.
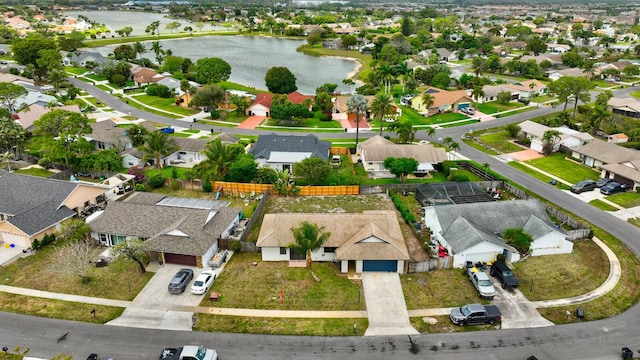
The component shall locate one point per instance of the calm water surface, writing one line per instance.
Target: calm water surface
(251, 57)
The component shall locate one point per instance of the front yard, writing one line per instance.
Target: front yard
(558, 165)
(500, 141)
(494, 107)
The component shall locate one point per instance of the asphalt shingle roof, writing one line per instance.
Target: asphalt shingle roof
(608, 153)
(290, 143)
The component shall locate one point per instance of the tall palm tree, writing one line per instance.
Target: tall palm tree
(549, 139)
(308, 237)
(220, 157)
(358, 105)
(447, 141)
(385, 74)
(599, 114)
(427, 101)
(157, 144)
(157, 49)
(139, 48)
(348, 83)
(431, 131)
(405, 72)
(454, 146)
(477, 92)
(404, 131)
(382, 105)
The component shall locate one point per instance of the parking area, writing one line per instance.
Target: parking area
(517, 310)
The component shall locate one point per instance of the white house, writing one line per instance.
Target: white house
(472, 232)
(568, 137)
(360, 242)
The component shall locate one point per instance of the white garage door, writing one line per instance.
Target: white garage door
(11, 238)
(481, 257)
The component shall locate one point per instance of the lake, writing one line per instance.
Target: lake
(251, 57)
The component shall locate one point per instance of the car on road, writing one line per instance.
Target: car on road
(602, 182)
(180, 281)
(582, 186)
(614, 188)
(168, 130)
(203, 282)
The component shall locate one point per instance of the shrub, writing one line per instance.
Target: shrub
(45, 163)
(140, 187)
(118, 79)
(236, 246)
(35, 244)
(174, 173)
(215, 114)
(159, 90)
(207, 187)
(459, 177)
(175, 184)
(156, 181)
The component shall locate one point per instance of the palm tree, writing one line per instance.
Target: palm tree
(348, 83)
(454, 146)
(157, 144)
(385, 74)
(549, 139)
(358, 105)
(57, 78)
(427, 101)
(486, 166)
(447, 141)
(405, 72)
(382, 105)
(477, 92)
(220, 157)
(6, 157)
(599, 114)
(139, 48)
(157, 49)
(404, 131)
(308, 237)
(431, 131)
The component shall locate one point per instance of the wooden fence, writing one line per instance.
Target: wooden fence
(339, 150)
(304, 190)
(431, 264)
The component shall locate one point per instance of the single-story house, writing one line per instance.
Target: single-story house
(627, 106)
(554, 59)
(375, 150)
(361, 242)
(568, 137)
(443, 101)
(446, 55)
(529, 88)
(189, 153)
(82, 58)
(175, 230)
(144, 76)
(341, 110)
(614, 161)
(32, 207)
(280, 152)
(261, 105)
(182, 97)
(472, 232)
(491, 93)
(557, 74)
(107, 134)
(28, 116)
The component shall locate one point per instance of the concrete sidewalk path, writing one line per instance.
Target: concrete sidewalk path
(386, 308)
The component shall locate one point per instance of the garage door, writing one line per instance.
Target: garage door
(180, 259)
(463, 106)
(11, 238)
(380, 265)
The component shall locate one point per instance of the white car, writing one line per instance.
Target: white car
(203, 282)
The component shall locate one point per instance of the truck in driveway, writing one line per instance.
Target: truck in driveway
(482, 283)
(188, 352)
(501, 271)
(476, 314)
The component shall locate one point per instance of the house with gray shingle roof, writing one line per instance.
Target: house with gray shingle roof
(367, 241)
(32, 207)
(614, 162)
(82, 58)
(472, 232)
(280, 152)
(175, 230)
(568, 137)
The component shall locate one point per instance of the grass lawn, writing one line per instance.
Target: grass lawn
(435, 289)
(460, 123)
(167, 172)
(480, 146)
(627, 199)
(500, 141)
(120, 280)
(228, 85)
(306, 123)
(623, 296)
(181, 134)
(104, 88)
(75, 70)
(543, 98)
(556, 164)
(565, 275)
(320, 204)
(604, 84)
(191, 131)
(164, 104)
(96, 77)
(494, 107)
(243, 285)
(439, 119)
(35, 172)
(536, 174)
(602, 205)
(280, 326)
(635, 94)
(95, 102)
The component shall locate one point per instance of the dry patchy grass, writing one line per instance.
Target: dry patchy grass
(280, 326)
(438, 289)
(563, 276)
(323, 204)
(243, 285)
(120, 280)
(58, 309)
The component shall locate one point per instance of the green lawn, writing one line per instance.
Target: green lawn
(314, 122)
(96, 77)
(167, 172)
(500, 141)
(75, 70)
(557, 165)
(190, 131)
(494, 107)
(228, 85)
(627, 199)
(536, 174)
(95, 102)
(439, 119)
(602, 205)
(163, 104)
(35, 172)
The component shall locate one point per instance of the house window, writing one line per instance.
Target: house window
(117, 239)
(103, 238)
(130, 163)
(283, 251)
(330, 250)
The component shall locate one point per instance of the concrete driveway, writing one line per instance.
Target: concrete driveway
(386, 309)
(152, 307)
(517, 310)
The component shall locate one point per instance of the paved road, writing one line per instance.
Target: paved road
(601, 340)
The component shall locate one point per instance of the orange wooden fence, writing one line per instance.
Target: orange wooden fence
(304, 190)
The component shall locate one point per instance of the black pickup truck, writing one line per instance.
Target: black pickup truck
(476, 314)
(501, 271)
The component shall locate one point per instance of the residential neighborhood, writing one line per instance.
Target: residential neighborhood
(126, 164)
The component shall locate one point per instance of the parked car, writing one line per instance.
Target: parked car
(602, 182)
(203, 282)
(614, 188)
(501, 271)
(471, 111)
(475, 314)
(180, 281)
(482, 283)
(582, 186)
(168, 130)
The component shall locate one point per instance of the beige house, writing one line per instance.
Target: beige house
(443, 101)
(367, 241)
(32, 207)
(375, 150)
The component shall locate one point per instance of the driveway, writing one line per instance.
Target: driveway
(151, 308)
(517, 310)
(386, 309)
